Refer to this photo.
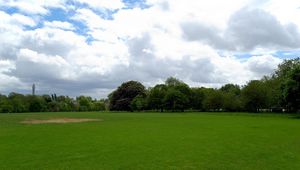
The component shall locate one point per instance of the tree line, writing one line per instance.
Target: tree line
(275, 93)
(18, 103)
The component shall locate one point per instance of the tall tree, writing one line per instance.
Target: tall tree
(121, 98)
(291, 89)
(254, 96)
(231, 95)
(175, 100)
(213, 100)
(197, 98)
(156, 97)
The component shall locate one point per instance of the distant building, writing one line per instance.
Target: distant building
(33, 89)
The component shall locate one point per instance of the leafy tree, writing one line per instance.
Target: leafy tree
(156, 97)
(197, 98)
(172, 81)
(254, 96)
(138, 103)
(5, 105)
(231, 97)
(213, 100)
(285, 67)
(291, 89)
(175, 100)
(281, 80)
(178, 94)
(231, 88)
(121, 98)
(18, 102)
(231, 102)
(36, 103)
(53, 106)
(99, 105)
(85, 103)
(273, 92)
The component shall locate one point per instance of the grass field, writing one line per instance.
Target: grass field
(151, 141)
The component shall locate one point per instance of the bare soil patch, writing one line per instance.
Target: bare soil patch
(59, 120)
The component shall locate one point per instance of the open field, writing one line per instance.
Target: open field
(150, 141)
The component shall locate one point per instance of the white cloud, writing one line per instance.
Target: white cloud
(6, 81)
(91, 19)
(286, 11)
(33, 6)
(140, 44)
(59, 25)
(262, 65)
(103, 4)
(15, 20)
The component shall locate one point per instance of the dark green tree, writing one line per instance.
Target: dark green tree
(121, 98)
(138, 103)
(213, 100)
(85, 103)
(5, 105)
(231, 97)
(197, 98)
(172, 81)
(19, 102)
(36, 103)
(254, 96)
(156, 96)
(291, 89)
(175, 100)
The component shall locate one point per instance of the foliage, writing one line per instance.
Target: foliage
(275, 93)
(156, 97)
(291, 89)
(138, 103)
(213, 100)
(197, 98)
(175, 100)
(231, 97)
(17, 103)
(124, 95)
(254, 96)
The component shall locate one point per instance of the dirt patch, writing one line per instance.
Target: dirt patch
(60, 120)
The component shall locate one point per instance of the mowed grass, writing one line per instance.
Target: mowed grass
(151, 141)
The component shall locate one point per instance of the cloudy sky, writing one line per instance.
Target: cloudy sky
(89, 47)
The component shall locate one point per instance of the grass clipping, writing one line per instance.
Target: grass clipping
(59, 120)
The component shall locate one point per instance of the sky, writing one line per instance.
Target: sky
(89, 47)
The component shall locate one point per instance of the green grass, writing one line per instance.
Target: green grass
(151, 141)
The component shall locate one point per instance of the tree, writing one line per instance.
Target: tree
(121, 98)
(231, 97)
(291, 89)
(5, 105)
(254, 96)
(197, 97)
(175, 100)
(156, 97)
(36, 103)
(138, 103)
(18, 102)
(99, 105)
(85, 103)
(284, 84)
(177, 96)
(213, 100)
(172, 81)
(231, 88)
(284, 68)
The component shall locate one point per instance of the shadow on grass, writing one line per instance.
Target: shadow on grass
(295, 116)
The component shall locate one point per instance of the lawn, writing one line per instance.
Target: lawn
(151, 141)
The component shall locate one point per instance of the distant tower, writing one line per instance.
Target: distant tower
(33, 89)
